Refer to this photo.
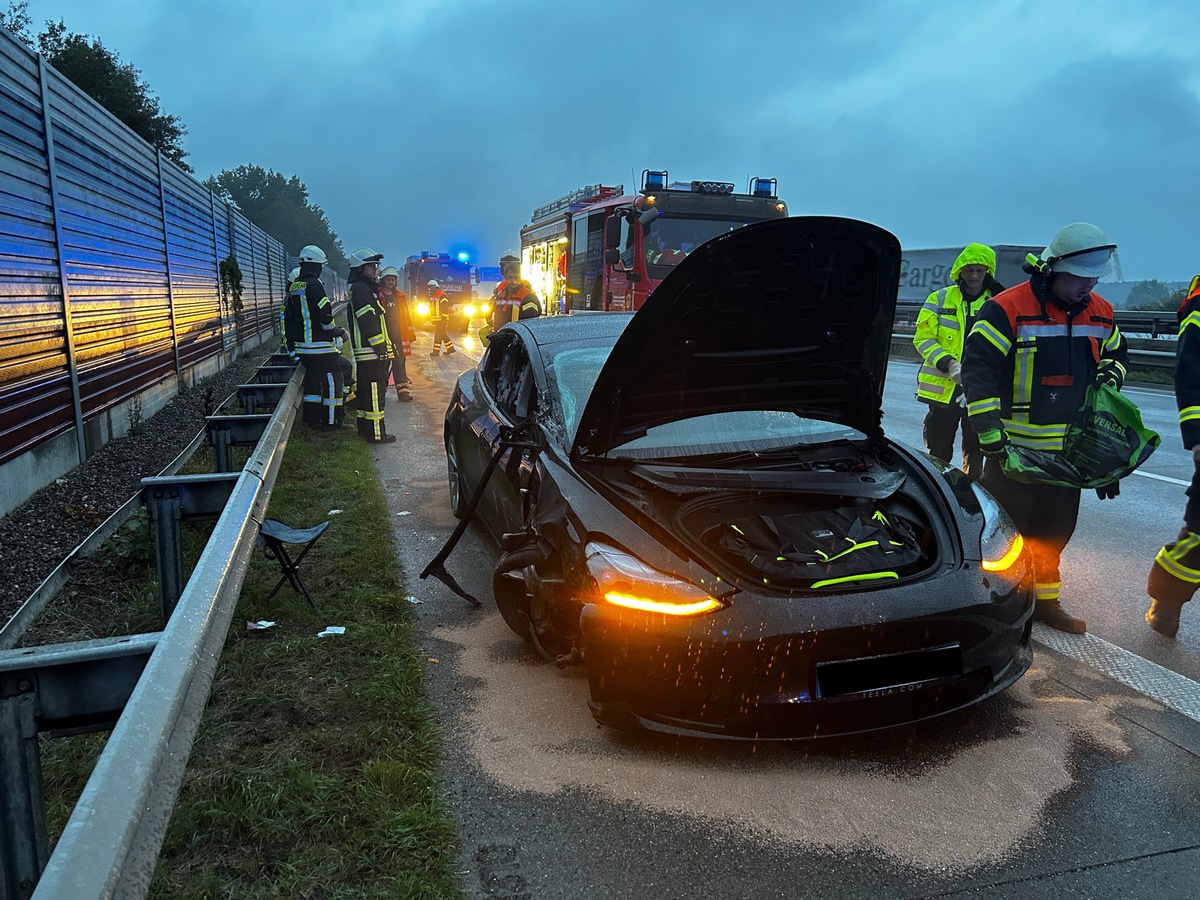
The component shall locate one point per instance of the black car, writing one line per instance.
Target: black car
(697, 501)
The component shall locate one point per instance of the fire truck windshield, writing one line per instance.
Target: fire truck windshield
(669, 239)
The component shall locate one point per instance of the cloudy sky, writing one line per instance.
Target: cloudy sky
(418, 124)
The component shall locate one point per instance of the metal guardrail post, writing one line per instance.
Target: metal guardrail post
(165, 508)
(26, 846)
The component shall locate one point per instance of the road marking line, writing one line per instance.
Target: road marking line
(1169, 688)
(1164, 478)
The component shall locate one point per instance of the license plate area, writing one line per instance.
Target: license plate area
(892, 673)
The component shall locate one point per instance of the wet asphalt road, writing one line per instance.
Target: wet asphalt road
(1068, 785)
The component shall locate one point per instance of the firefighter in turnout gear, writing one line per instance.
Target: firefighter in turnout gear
(942, 325)
(1175, 574)
(439, 311)
(399, 327)
(370, 344)
(1027, 365)
(310, 334)
(512, 300)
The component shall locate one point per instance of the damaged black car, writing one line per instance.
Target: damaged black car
(698, 503)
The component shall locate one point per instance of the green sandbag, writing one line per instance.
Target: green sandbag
(1106, 443)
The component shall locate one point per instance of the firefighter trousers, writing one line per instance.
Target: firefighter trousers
(1175, 574)
(942, 423)
(370, 397)
(1046, 515)
(323, 389)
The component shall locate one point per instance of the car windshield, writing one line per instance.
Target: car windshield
(573, 373)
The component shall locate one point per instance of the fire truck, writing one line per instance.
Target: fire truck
(598, 248)
(454, 276)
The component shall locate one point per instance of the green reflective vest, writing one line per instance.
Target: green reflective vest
(941, 330)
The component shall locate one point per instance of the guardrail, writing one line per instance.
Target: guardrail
(1139, 355)
(153, 686)
(1158, 324)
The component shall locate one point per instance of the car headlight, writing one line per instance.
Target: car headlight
(423, 309)
(469, 311)
(624, 580)
(1000, 543)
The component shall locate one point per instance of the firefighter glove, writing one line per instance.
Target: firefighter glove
(994, 443)
(1110, 377)
(1109, 491)
(956, 371)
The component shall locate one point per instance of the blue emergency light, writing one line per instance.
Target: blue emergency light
(653, 181)
(463, 257)
(762, 187)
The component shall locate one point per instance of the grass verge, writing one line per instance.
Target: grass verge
(315, 770)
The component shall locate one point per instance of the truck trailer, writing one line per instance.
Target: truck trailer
(598, 248)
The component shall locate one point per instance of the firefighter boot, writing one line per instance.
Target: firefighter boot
(1051, 612)
(1163, 616)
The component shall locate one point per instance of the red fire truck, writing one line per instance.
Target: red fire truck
(600, 248)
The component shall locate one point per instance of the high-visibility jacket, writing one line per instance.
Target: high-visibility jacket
(399, 326)
(1187, 367)
(1028, 362)
(308, 318)
(512, 303)
(942, 326)
(368, 324)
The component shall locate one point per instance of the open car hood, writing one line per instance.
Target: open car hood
(792, 315)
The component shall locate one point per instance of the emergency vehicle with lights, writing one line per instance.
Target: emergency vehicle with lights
(598, 248)
(455, 276)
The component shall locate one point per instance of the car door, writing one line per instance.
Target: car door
(509, 384)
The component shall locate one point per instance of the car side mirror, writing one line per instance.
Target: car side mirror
(648, 217)
(612, 256)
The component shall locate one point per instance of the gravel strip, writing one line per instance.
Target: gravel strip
(37, 536)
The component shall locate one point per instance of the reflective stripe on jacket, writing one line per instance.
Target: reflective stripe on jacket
(1027, 365)
(941, 324)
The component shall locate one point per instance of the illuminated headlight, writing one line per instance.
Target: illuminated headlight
(624, 580)
(423, 310)
(1000, 544)
(485, 310)
(469, 311)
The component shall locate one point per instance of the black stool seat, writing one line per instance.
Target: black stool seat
(274, 537)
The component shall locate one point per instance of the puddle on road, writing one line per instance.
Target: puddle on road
(935, 806)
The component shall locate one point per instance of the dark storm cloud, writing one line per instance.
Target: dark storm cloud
(419, 124)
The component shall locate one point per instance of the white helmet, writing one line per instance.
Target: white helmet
(1079, 249)
(388, 270)
(313, 254)
(432, 282)
(362, 256)
(294, 274)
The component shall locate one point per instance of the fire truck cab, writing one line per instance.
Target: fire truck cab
(599, 249)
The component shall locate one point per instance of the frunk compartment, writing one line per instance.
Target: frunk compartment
(812, 541)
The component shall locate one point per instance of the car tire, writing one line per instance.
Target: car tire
(458, 500)
(508, 587)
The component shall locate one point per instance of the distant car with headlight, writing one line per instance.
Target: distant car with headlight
(699, 504)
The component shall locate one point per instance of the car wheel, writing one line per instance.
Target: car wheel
(458, 502)
(508, 587)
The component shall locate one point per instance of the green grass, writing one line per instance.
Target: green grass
(315, 771)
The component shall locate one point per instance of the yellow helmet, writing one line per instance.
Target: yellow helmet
(485, 333)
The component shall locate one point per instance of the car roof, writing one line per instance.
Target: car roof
(579, 329)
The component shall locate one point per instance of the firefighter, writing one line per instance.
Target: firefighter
(311, 334)
(439, 311)
(512, 300)
(942, 324)
(399, 327)
(1175, 574)
(370, 344)
(1027, 364)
